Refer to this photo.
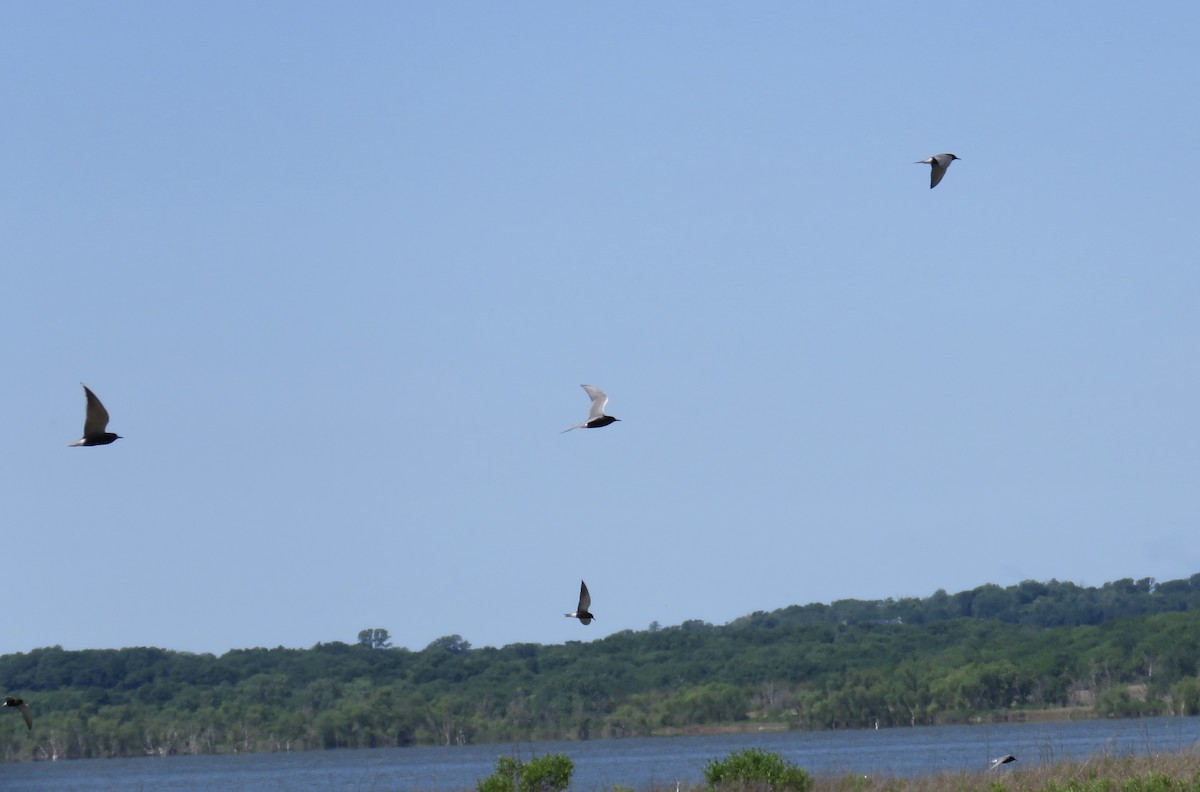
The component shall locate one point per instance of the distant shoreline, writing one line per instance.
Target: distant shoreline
(1048, 715)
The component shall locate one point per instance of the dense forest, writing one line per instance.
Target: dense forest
(1124, 648)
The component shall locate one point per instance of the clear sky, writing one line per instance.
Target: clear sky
(338, 270)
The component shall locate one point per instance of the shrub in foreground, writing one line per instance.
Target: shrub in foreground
(755, 767)
(549, 773)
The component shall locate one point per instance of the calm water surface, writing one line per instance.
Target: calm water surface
(599, 764)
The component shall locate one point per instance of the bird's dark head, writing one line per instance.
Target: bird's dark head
(954, 157)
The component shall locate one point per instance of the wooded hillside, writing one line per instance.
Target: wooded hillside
(1125, 648)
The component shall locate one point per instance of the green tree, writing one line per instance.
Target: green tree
(1185, 695)
(754, 767)
(549, 773)
(454, 644)
(375, 638)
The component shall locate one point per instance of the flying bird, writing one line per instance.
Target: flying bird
(585, 602)
(1002, 760)
(596, 417)
(20, 704)
(939, 163)
(95, 423)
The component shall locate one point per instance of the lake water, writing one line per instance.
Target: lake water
(638, 763)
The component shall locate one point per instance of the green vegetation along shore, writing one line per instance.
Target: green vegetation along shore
(1171, 772)
(1175, 772)
(1126, 648)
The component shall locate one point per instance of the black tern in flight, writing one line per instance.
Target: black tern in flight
(585, 602)
(95, 424)
(20, 704)
(938, 163)
(596, 417)
(1002, 760)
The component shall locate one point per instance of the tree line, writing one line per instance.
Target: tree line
(1125, 648)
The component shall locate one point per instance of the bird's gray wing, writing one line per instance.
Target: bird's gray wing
(96, 420)
(585, 599)
(27, 714)
(599, 400)
(936, 172)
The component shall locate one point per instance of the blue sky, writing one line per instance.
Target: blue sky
(338, 270)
